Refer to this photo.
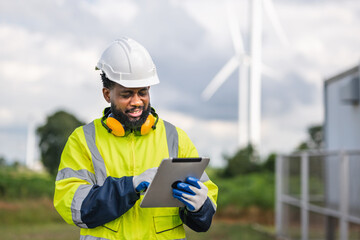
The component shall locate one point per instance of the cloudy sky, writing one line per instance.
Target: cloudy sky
(49, 50)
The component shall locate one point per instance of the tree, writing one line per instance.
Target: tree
(243, 162)
(2, 161)
(269, 163)
(315, 139)
(53, 136)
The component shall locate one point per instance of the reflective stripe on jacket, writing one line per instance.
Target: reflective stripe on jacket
(95, 173)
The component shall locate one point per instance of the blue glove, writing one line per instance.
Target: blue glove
(142, 181)
(192, 193)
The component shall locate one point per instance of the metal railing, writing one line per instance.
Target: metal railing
(318, 185)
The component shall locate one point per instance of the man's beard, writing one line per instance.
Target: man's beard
(124, 119)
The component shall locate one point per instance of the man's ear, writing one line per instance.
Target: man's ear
(106, 94)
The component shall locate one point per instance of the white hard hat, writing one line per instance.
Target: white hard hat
(128, 63)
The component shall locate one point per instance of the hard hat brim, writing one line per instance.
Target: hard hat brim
(138, 83)
(128, 83)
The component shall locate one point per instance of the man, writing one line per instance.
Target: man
(106, 164)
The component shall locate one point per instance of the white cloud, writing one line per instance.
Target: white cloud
(5, 116)
(283, 134)
(13, 146)
(212, 138)
(212, 17)
(49, 64)
(40, 73)
(17, 39)
(112, 12)
(30, 56)
(22, 72)
(322, 37)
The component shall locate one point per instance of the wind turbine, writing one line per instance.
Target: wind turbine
(250, 70)
(30, 145)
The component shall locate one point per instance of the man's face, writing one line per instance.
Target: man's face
(131, 106)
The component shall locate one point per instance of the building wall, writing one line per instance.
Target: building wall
(342, 127)
(342, 132)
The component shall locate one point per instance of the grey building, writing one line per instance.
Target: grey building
(318, 193)
(342, 111)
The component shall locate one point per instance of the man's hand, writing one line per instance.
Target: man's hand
(192, 193)
(142, 181)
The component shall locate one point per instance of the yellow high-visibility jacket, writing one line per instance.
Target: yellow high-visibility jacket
(94, 188)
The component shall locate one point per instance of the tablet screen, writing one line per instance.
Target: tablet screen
(159, 193)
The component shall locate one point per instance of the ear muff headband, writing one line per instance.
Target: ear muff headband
(113, 126)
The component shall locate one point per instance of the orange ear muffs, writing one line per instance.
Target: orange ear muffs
(116, 127)
(148, 125)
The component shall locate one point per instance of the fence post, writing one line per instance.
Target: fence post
(344, 195)
(278, 200)
(304, 196)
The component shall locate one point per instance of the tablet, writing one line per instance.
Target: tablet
(159, 192)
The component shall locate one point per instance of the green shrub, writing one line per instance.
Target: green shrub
(16, 184)
(248, 190)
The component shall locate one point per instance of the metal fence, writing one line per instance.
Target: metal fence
(318, 195)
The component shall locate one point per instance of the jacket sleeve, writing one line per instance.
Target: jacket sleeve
(199, 221)
(108, 202)
(78, 199)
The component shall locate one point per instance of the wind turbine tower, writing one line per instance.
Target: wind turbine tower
(254, 110)
(250, 68)
(30, 145)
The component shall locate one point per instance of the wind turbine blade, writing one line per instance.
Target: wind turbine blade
(274, 19)
(234, 28)
(220, 78)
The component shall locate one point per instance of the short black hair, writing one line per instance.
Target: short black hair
(107, 83)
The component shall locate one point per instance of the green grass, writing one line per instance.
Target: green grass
(45, 231)
(36, 219)
(27, 211)
(228, 231)
(30, 211)
(57, 231)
